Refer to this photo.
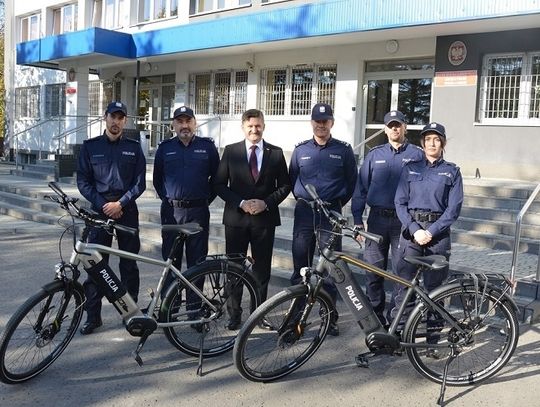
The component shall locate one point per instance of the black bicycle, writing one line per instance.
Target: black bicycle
(459, 334)
(192, 312)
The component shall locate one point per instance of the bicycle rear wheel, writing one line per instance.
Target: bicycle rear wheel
(217, 279)
(492, 334)
(39, 331)
(263, 355)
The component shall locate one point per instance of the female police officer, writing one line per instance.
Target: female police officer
(428, 200)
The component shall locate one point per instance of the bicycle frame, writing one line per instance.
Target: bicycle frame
(90, 255)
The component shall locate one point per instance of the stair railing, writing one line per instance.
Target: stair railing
(517, 237)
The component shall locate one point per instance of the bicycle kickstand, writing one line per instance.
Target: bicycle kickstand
(137, 351)
(362, 359)
(205, 329)
(450, 359)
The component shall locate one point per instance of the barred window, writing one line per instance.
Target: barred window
(55, 100)
(101, 93)
(510, 88)
(27, 102)
(222, 93)
(294, 90)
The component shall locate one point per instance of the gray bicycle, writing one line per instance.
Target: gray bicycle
(192, 311)
(460, 334)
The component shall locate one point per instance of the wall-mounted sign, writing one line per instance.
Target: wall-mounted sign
(456, 78)
(457, 52)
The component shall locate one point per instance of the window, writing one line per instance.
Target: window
(150, 10)
(55, 100)
(27, 102)
(292, 91)
(100, 94)
(205, 6)
(30, 27)
(65, 19)
(510, 88)
(222, 93)
(115, 13)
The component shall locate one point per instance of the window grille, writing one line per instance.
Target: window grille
(294, 90)
(222, 89)
(223, 93)
(55, 100)
(93, 98)
(27, 102)
(510, 88)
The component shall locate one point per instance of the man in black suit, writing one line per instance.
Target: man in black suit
(252, 179)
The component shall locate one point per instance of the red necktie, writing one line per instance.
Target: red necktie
(253, 163)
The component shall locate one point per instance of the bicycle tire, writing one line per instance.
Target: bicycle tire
(217, 276)
(27, 346)
(492, 325)
(265, 355)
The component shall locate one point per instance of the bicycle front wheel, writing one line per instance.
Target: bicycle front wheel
(492, 332)
(217, 279)
(263, 355)
(39, 331)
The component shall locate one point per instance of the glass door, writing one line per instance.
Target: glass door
(405, 86)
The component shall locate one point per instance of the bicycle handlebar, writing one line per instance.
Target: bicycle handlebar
(87, 216)
(338, 219)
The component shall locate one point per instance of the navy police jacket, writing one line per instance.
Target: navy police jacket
(429, 187)
(111, 171)
(379, 176)
(331, 169)
(185, 172)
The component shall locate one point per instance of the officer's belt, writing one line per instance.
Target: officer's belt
(426, 216)
(113, 197)
(187, 203)
(386, 212)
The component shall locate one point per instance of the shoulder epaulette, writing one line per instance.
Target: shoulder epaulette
(208, 139)
(132, 140)
(377, 147)
(303, 142)
(341, 142)
(166, 140)
(91, 140)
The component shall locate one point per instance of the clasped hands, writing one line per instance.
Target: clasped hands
(113, 210)
(253, 206)
(422, 237)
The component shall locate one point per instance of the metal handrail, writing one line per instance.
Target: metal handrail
(517, 237)
(368, 139)
(16, 138)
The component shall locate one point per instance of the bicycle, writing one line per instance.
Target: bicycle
(461, 333)
(190, 311)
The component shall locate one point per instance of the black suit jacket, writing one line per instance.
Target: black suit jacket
(234, 183)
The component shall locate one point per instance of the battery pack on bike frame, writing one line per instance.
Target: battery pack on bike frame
(356, 300)
(112, 288)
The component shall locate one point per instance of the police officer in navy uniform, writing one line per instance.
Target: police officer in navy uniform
(376, 186)
(428, 201)
(111, 176)
(329, 165)
(184, 168)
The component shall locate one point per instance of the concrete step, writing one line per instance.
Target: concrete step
(499, 203)
(33, 174)
(496, 227)
(495, 242)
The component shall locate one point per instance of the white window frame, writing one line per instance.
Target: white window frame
(26, 33)
(210, 6)
(59, 15)
(529, 84)
(237, 93)
(269, 96)
(171, 10)
(119, 11)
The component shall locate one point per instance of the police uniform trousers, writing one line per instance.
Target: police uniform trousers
(196, 245)
(431, 278)
(129, 272)
(307, 226)
(261, 242)
(383, 222)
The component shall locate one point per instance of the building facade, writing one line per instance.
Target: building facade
(472, 65)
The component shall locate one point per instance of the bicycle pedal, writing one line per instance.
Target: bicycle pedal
(362, 360)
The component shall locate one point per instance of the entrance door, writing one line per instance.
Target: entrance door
(403, 86)
(155, 103)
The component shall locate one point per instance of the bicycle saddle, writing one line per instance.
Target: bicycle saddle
(434, 261)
